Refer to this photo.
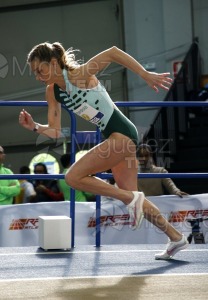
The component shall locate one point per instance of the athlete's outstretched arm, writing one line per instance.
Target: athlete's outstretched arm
(53, 128)
(116, 55)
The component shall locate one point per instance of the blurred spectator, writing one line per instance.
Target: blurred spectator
(154, 186)
(27, 192)
(47, 190)
(9, 188)
(65, 188)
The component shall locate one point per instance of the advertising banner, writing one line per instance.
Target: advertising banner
(19, 223)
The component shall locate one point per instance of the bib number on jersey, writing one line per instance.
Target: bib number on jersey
(89, 113)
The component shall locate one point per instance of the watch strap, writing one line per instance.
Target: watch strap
(36, 127)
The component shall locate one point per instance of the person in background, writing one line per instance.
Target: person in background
(154, 186)
(9, 188)
(46, 190)
(65, 188)
(27, 192)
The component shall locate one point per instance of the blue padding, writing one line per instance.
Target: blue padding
(86, 137)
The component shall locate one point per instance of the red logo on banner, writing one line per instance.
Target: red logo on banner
(110, 220)
(181, 216)
(20, 224)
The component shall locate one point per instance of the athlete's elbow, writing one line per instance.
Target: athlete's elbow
(53, 133)
(114, 53)
(58, 133)
(113, 50)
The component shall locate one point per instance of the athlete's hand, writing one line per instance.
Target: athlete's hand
(158, 80)
(26, 120)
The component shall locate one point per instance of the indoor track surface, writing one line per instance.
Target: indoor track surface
(109, 272)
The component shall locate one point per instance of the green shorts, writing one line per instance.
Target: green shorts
(120, 123)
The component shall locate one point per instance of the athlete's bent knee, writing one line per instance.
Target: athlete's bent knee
(71, 179)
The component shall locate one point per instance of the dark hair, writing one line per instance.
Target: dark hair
(46, 51)
(41, 165)
(24, 170)
(65, 160)
(146, 147)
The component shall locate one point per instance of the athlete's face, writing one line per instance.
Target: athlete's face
(45, 72)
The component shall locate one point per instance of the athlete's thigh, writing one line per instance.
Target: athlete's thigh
(125, 173)
(102, 157)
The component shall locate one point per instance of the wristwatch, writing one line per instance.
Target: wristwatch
(36, 127)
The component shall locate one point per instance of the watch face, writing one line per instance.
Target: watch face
(36, 127)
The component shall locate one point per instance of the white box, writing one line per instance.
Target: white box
(54, 232)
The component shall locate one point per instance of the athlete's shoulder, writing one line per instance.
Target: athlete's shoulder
(51, 92)
(50, 88)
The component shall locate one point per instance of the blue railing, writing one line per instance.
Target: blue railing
(74, 140)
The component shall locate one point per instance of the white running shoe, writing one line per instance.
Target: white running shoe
(172, 248)
(135, 209)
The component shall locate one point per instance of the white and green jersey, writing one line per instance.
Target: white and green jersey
(93, 105)
(96, 106)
